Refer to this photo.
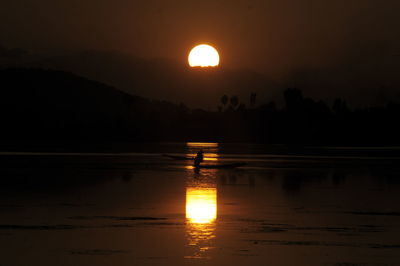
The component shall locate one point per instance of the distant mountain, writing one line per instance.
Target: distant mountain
(361, 80)
(44, 104)
(163, 79)
(45, 107)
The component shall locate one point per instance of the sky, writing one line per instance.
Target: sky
(282, 38)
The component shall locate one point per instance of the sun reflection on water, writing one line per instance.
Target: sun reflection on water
(201, 204)
(201, 215)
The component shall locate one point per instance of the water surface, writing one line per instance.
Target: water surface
(141, 208)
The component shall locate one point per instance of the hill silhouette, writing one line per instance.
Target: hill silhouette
(166, 79)
(47, 106)
(38, 104)
(157, 78)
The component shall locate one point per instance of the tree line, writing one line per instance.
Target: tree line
(41, 105)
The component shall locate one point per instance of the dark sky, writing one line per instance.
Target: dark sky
(278, 37)
(257, 34)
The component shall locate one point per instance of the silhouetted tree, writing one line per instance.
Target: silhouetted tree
(253, 98)
(340, 107)
(234, 101)
(293, 98)
(224, 100)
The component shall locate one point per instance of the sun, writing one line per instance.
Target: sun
(203, 55)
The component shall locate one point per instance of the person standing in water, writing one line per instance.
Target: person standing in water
(199, 158)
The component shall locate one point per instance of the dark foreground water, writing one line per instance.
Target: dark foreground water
(145, 209)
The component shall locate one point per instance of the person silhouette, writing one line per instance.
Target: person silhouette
(199, 158)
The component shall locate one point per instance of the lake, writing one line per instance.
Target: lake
(326, 206)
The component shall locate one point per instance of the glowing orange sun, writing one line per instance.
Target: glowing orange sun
(203, 55)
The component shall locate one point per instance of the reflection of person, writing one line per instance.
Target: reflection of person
(198, 159)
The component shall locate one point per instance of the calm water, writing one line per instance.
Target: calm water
(145, 209)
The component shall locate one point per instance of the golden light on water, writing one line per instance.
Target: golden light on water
(210, 150)
(203, 55)
(201, 215)
(201, 205)
(201, 202)
(202, 144)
